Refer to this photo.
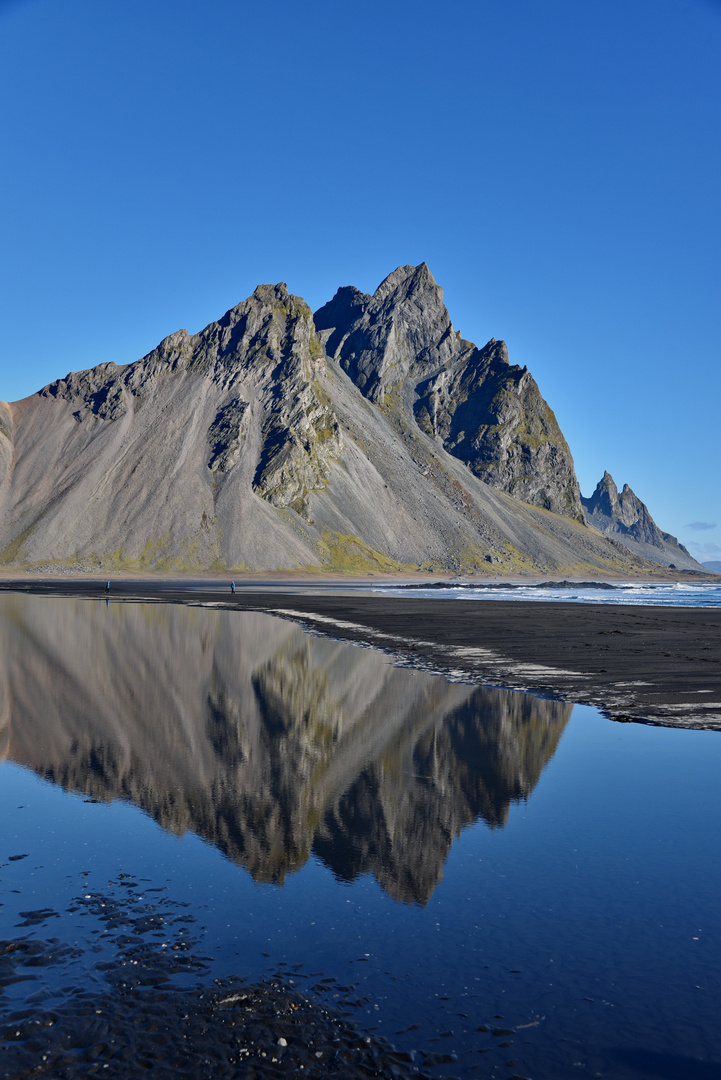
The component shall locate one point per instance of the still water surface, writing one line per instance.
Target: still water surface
(461, 857)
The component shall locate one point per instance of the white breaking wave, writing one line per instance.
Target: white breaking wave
(670, 594)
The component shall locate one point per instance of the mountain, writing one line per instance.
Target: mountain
(627, 519)
(368, 437)
(714, 567)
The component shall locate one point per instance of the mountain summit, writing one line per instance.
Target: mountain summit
(369, 436)
(626, 518)
(484, 411)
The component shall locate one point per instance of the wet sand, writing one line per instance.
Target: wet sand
(658, 665)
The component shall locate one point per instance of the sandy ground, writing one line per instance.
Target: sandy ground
(650, 664)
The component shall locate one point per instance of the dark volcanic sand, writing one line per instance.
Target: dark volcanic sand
(651, 664)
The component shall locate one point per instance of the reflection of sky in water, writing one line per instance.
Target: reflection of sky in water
(589, 911)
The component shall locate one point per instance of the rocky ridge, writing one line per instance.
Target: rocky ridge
(624, 517)
(484, 411)
(369, 437)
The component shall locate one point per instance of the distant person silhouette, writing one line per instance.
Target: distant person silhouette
(107, 586)
(232, 586)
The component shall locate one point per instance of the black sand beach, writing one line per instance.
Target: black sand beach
(659, 665)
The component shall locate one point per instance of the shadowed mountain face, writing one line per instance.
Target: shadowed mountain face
(625, 518)
(263, 740)
(368, 437)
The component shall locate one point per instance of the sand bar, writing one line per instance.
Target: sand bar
(658, 665)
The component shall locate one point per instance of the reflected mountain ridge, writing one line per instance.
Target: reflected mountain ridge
(267, 742)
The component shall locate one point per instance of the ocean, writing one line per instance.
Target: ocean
(668, 594)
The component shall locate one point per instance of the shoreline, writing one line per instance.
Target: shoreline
(647, 664)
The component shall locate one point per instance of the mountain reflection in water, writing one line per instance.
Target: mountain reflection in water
(267, 742)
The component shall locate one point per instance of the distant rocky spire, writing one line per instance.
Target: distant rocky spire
(625, 518)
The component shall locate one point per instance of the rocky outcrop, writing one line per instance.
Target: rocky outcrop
(625, 518)
(100, 391)
(226, 435)
(491, 415)
(402, 331)
(485, 412)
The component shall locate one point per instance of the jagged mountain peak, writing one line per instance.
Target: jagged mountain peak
(402, 331)
(269, 327)
(406, 281)
(491, 415)
(625, 505)
(483, 410)
(625, 518)
(605, 496)
(498, 351)
(349, 303)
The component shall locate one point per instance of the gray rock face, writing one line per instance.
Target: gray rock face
(371, 439)
(226, 434)
(99, 392)
(485, 412)
(491, 415)
(267, 345)
(402, 331)
(628, 520)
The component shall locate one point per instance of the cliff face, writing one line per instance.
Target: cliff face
(402, 330)
(492, 416)
(482, 410)
(369, 437)
(624, 517)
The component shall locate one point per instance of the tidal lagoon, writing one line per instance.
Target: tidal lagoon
(232, 847)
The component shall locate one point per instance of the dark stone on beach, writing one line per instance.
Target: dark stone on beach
(432, 1061)
(148, 1020)
(232, 1029)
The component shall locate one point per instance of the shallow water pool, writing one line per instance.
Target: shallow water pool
(506, 885)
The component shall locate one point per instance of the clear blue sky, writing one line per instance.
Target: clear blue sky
(557, 164)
